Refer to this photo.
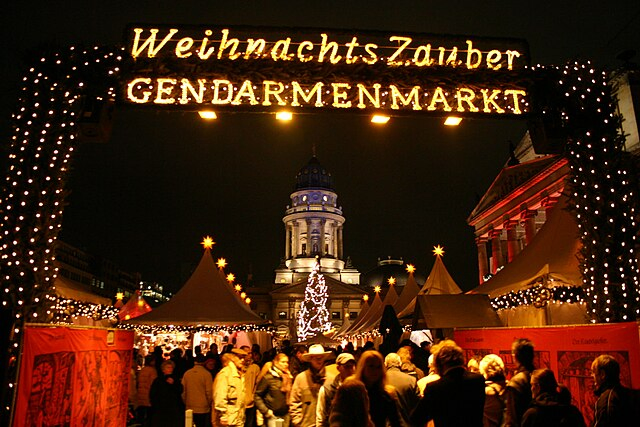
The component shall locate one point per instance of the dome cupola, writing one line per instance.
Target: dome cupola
(314, 175)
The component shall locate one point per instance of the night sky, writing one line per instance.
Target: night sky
(146, 198)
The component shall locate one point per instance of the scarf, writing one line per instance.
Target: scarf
(316, 379)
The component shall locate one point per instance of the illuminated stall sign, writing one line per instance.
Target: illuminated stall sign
(257, 69)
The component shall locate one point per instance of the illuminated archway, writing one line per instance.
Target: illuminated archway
(571, 105)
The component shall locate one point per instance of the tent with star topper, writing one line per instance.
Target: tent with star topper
(207, 299)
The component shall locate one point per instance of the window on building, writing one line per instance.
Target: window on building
(353, 315)
(282, 315)
(335, 315)
(304, 249)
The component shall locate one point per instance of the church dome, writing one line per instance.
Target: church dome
(386, 269)
(314, 175)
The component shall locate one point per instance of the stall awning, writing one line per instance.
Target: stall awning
(454, 311)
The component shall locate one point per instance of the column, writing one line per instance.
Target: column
(287, 243)
(483, 262)
(513, 248)
(528, 217)
(548, 203)
(322, 224)
(496, 250)
(309, 250)
(340, 248)
(296, 239)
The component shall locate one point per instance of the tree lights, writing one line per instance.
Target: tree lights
(313, 317)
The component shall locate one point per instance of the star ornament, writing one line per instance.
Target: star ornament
(438, 250)
(222, 263)
(410, 268)
(231, 277)
(377, 289)
(392, 281)
(207, 242)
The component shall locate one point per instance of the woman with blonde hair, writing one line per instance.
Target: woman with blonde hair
(492, 369)
(383, 401)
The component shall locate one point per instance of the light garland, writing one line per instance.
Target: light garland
(44, 137)
(579, 106)
(539, 296)
(64, 310)
(164, 329)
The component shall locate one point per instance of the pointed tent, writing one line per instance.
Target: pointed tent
(206, 299)
(375, 306)
(409, 292)
(347, 323)
(374, 318)
(439, 282)
(551, 255)
(135, 307)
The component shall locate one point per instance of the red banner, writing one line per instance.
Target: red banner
(567, 350)
(73, 377)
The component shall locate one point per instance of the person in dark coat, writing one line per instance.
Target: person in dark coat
(384, 407)
(457, 398)
(351, 407)
(346, 366)
(167, 409)
(614, 406)
(518, 391)
(547, 408)
(406, 386)
(272, 392)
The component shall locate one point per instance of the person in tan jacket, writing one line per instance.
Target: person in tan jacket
(197, 392)
(147, 374)
(306, 386)
(228, 393)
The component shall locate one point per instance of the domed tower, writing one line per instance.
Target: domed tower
(313, 226)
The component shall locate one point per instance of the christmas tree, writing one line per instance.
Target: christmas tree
(313, 317)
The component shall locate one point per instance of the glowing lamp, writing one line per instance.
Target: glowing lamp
(222, 263)
(410, 268)
(391, 281)
(119, 296)
(377, 289)
(207, 242)
(248, 300)
(346, 315)
(243, 295)
(208, 115)
(365, 297)
(452, 121)
(127, 317)
(238, 287)
(284, 116)
(231, 277)
(140, 303)
(438, 250)
(380, 119)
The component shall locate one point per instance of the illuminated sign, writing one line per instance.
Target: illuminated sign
(257, 69)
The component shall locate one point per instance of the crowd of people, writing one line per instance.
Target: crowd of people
(431, 385)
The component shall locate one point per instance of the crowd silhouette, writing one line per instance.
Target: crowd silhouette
(430, 385)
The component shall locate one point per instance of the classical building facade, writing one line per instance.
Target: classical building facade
(313, 224)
